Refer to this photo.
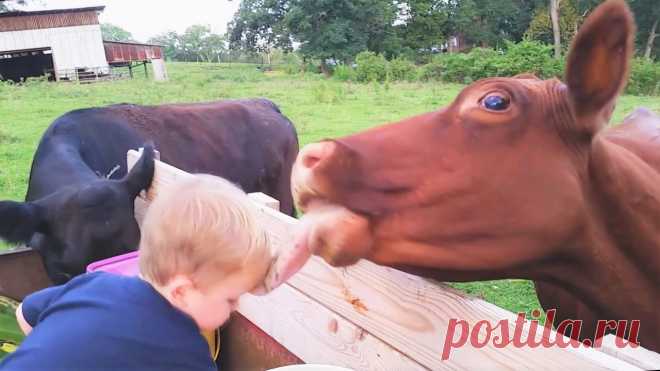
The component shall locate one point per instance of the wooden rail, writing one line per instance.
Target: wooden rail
(21, 273)
(370, 317)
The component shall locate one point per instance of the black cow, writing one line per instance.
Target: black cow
(79, 203)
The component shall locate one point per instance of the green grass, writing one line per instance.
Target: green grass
(9, 330)
(318, 107)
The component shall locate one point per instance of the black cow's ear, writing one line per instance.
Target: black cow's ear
(140, 176)
(19, 221)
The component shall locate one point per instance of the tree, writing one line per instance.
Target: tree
(111, 32)
(378, 19)
(170, 41)
(425, 26)
(326, 30)
(258, 26)
(5, 7)
(541, 28)
(584, 7)
(339, 30)
(192, 42)
(489, 23)
(213, 47)
(465, 23)
(573, 12)
(556, 32)
(651, 39)
(647, 16)
(197, 43)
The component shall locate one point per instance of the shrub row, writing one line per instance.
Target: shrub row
(516, 58)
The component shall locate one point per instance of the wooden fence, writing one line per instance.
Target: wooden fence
(370, 317)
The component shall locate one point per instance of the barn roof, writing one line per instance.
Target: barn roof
(20, 13)
(40, 19)
(130, 43)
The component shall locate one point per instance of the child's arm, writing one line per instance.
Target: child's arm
(22, 323)
(35, 304)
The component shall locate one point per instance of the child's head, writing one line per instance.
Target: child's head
(202, 247)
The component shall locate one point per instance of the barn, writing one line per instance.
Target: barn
(65, 45)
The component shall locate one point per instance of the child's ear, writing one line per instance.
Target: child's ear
(178, 291)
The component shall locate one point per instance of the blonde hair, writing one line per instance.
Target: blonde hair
(203, 227)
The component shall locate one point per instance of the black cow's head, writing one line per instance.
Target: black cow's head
(80, 224)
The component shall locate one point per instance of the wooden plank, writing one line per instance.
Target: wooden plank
(639, 356)
(264, 199)
(244, 346)
(409, 313)
(22, 272)
(315, 334)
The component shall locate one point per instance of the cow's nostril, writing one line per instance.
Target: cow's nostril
(315, 153)
(310, 161)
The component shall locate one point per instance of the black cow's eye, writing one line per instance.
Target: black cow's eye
(495, 102)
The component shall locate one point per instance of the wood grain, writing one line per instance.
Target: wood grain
(315, 334)
(639, 356)
(265, 200)
(22, 272)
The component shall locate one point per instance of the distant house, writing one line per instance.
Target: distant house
(66, 44)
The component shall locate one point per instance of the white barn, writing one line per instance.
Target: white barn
(67, 44)
(59, 43)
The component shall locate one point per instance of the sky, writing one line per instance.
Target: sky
(147, 18)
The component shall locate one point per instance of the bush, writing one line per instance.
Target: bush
(484, 63)
(311, 67)
(325, 92)
(431, 71)
(401, 69)
(291, 69)
(35, 81)
(343, 73)
(455, 67)
(370, 67)
(644, 78)
(523, 57)
(5, 85)
(530, 57)
(291, 63)
(463, 68)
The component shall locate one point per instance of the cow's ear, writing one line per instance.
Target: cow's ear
(20, 220)
(598, 64)
(140, 176)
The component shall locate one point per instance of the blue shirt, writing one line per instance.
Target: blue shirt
(100, 321)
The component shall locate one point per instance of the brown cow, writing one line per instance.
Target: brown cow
(517, 178)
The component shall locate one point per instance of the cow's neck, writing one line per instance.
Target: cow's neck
(60, 165)
(625, 206)
(616, 261)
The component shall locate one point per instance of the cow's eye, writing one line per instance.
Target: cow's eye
(495, 102)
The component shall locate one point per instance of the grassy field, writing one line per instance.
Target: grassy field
(318, 107)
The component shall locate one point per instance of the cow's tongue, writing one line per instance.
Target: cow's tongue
(287, 263)
(335, 233)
